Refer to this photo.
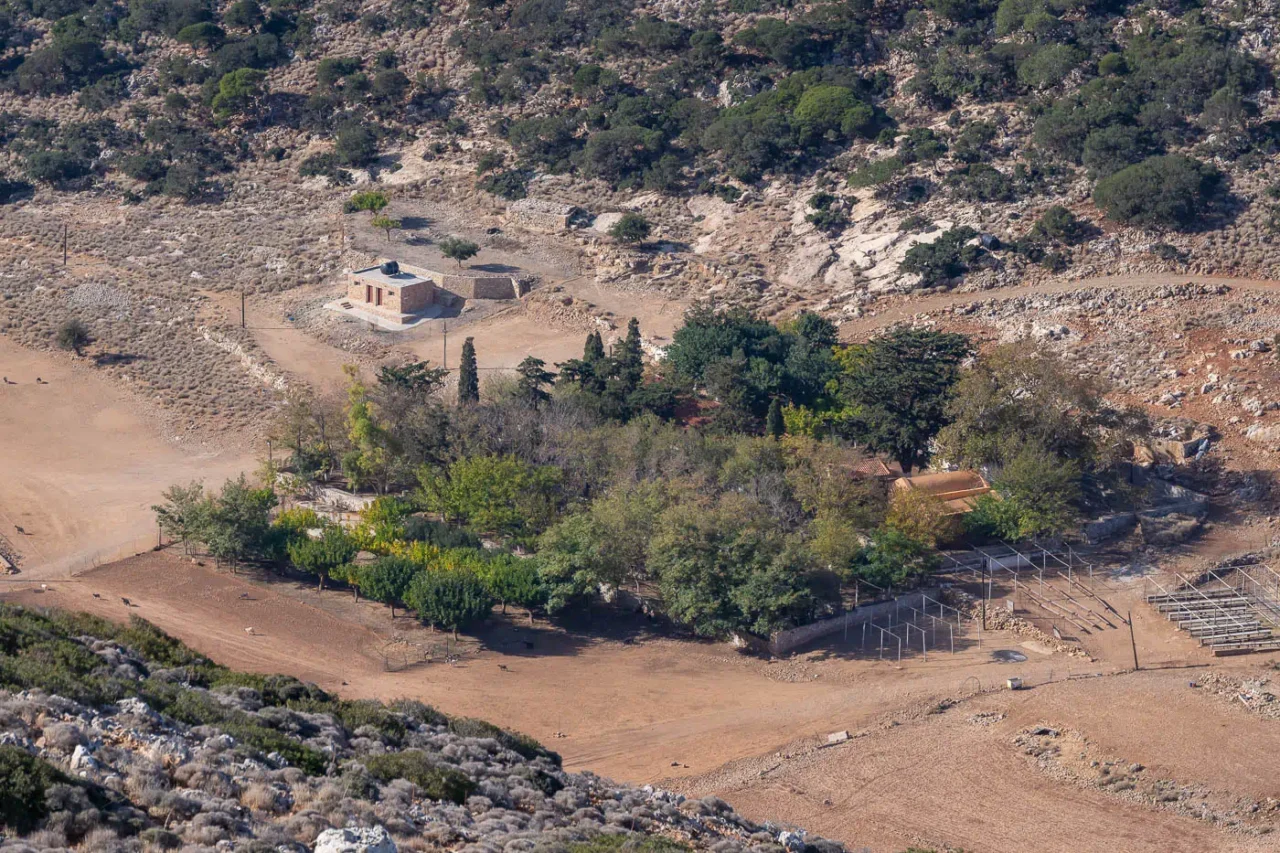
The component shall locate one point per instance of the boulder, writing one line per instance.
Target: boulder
(373, 839)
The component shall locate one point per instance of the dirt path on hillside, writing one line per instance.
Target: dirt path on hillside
(83, 461)
(904, 308)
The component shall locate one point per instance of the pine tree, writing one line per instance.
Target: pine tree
(533, 376)
(773, 425)
(468, 375)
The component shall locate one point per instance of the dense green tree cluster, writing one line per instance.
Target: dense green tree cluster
(719, 482)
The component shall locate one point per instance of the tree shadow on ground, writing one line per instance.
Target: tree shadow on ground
(501, 269)
(110, 359)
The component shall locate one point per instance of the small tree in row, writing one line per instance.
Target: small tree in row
(449, 598)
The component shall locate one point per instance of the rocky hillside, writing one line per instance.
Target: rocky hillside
(814, 144)
(120, 738)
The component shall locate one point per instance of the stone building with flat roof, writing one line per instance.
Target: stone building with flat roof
(390, 291)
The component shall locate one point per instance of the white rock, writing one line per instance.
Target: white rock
(81, 759)
(355, 840)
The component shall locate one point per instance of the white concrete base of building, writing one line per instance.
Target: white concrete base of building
(351, 309)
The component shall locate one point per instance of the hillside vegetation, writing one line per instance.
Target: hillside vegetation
(1155, 104)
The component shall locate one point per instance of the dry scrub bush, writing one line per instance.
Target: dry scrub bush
(101, 840)
(262, 798)
(306, 825)
(63, 736)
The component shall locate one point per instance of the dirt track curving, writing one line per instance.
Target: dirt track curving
(929, 762)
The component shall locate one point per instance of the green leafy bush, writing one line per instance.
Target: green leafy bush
(1170, 191)
(514, 741)
(436, 781)
(876, 172)
(946, 258)
(24, 779)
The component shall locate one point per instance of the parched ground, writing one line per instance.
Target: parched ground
(933, 760)
(83, 461)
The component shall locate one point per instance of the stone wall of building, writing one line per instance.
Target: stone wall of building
(477, 285)
(409, 299)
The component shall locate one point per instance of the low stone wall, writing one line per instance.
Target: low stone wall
(469, 286)
(785, 641)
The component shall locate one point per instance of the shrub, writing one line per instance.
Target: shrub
(73, 335)
(631, 228)
(876, 172)
(12, 190)
(326, 165)
(945, 258)
(514, 741)
(981, 182)
(439, 782)
(1170, 191)
(511, 184)
(203, 34)
(23, 782)
(621, 155)
(1110, 149)
(1058, 223)
(1048, 66)
(355, 145)
(55, 167)
(920, 145)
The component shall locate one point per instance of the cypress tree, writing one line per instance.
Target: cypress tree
(773, 425)
(632, 358)
(594, 349)
(468, 375)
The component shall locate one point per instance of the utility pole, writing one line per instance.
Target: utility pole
(242, 309)
(446, 344)
(1133, 643)
(984, 592)
(64, 244)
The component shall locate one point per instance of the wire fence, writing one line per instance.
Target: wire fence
(400, 655)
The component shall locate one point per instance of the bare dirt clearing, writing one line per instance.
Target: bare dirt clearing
(83, 463)
(929, 762)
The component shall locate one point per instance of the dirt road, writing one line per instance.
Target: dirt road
(931, 766)
(906, 307)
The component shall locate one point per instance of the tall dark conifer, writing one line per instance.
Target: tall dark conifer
(468, 374)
